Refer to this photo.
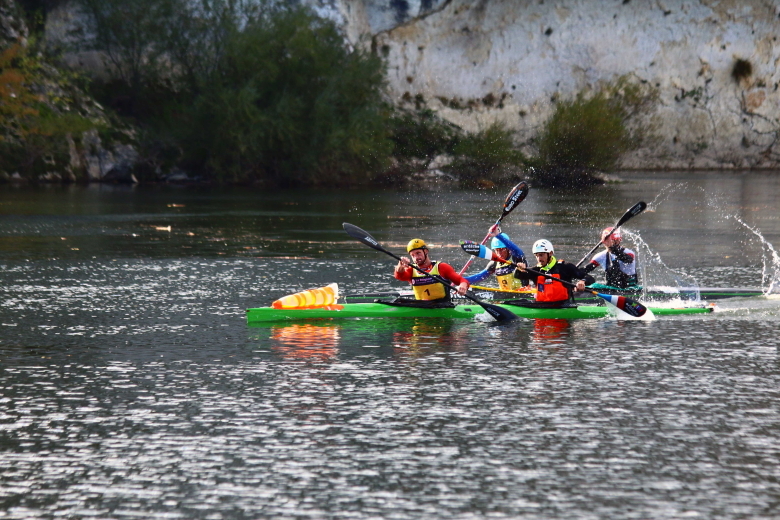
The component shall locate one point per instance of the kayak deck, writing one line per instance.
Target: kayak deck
(379, 310)
(656, 293)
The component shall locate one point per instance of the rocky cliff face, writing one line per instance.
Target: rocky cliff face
(73, 155)
(715, 64)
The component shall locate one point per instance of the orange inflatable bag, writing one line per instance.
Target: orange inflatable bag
(320, 298)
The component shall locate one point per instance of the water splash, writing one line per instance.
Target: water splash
(770, 259)
(653, 272)
(664, 194)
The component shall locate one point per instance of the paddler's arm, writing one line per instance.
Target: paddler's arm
(446, 271)
(620, 254)
(486, 272)
(574, 273)
(521, 274)
(402, 271)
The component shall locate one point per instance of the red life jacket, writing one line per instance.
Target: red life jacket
(548, 290)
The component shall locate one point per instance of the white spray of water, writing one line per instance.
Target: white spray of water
(653, 272)
(770, 259)
(664, 194)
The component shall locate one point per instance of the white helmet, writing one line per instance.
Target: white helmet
(542, 246)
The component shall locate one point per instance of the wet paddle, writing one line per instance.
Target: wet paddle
(499, 313)
(627, 305)
(633, 211)
(515, 197)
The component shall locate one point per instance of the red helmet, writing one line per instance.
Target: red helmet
(615, 234)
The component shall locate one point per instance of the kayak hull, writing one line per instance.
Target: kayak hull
(379, 310)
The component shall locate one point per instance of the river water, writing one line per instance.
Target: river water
(132, 387)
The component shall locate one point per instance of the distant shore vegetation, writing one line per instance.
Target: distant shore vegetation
(271, 94)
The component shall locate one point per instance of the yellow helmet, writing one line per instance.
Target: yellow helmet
(415, 243)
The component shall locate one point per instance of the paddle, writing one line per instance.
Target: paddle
(633, 211)
(626, 305)
(499, 313)
(515, 197)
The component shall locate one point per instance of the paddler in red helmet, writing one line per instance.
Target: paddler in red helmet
(618, 262)
(425, 287)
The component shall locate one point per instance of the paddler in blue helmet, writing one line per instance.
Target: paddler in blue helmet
(548, 290)
(426, 287)
(504, 271)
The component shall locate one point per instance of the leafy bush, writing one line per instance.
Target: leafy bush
(591, 132)
(422, 135)
(488, 155)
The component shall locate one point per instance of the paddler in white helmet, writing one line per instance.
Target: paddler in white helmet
(548, 290)
(618, 262)
(426, 287)
(504, 271)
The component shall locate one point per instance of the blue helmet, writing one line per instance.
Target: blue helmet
(496, 243)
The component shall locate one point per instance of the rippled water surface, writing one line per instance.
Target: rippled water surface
(132, 387)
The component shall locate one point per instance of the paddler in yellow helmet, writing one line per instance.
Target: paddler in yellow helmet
(426, 287)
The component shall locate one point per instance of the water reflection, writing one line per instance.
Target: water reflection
(327, 340)
(550, 332)
(306, 341)
(425, 337)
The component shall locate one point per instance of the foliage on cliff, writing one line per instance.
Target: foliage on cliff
(38, 128)
(591, 132)
(290, 103)
(422, 139)
(264, 91)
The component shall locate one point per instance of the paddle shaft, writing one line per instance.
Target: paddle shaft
(484, 240)
(627, 305)
(633, 211)
(514, 198)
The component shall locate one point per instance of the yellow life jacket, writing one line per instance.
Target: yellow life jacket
(505, 275)
(425, 287)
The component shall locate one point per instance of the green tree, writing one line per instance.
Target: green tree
(249, 91)
(289, 102)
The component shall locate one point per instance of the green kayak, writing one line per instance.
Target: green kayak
(465, 311)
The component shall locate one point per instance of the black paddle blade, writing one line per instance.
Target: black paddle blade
(470, 247)
(499, 313)
(362, 235)
(515, 197)
(632, 212)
